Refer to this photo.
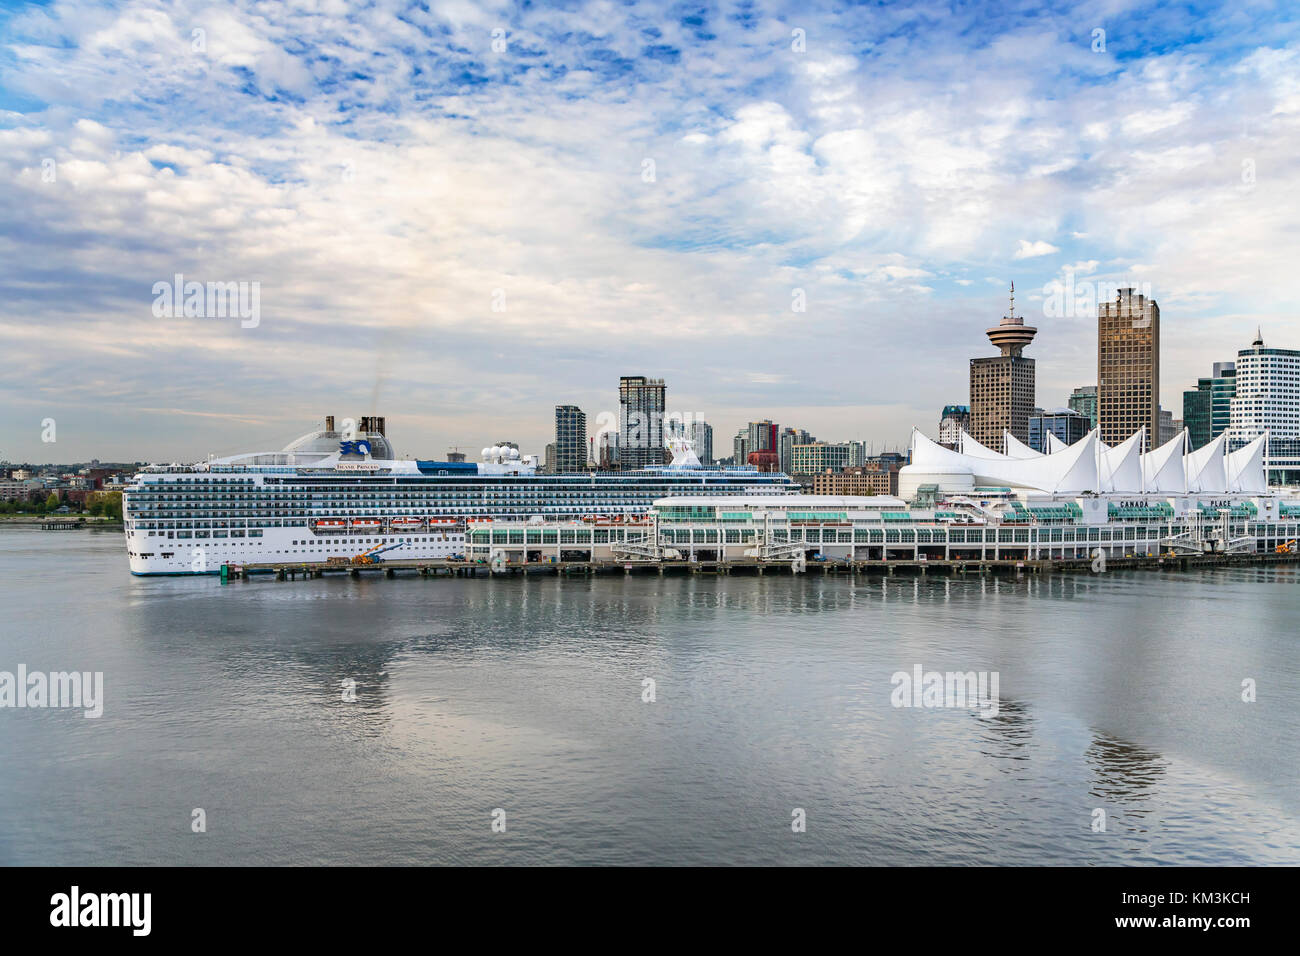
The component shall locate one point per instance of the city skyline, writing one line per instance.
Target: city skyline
(791, 214)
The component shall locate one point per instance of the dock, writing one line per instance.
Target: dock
(755, 566)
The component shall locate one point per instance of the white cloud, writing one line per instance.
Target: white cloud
(381, 199)
(1030, 250)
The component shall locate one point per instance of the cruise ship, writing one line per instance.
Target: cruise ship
(334, 493)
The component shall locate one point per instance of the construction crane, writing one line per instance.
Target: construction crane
(1287, 548)
(373, 555)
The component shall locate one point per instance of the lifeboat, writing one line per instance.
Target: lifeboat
(329, 524)
(446, 521)
(405, 522)
(366, 524)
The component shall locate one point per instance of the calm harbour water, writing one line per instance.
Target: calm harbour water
(1119, 691)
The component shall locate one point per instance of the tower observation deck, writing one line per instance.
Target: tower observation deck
(1011, 335)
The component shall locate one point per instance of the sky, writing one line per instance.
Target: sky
(459, 215)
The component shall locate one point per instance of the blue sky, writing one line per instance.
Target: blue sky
(461, 236)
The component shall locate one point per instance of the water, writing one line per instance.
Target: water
(1119, 691)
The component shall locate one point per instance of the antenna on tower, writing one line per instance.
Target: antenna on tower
(1013, 299)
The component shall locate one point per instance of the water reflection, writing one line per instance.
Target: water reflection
(1125, 777)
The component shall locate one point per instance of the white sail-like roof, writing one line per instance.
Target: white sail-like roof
(1069, 472)
(1121, 466)
(969, 446)
(1162, 468)
(1090, 465)
(1018, 449)
(1054, 444)
(1206, 468)
(1245, 467)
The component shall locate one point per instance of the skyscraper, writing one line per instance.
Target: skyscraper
(1128, 368)
(1268, 393)
(570, 439)
(1084, 401)
(1268, 399)
(786, 441)
(762, 440)
(1207, 408)
(701, 434)
(1002, 386)
(740, 447)
(641, 403)
(1196, 413)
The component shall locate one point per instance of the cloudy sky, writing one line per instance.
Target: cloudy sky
(461, 214)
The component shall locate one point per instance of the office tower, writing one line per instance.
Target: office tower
(1002, 386)
(762, 436)
(570, 439)
(1207, 409)
(740, 447)
(1084, 401)
(1128, 368)
(954, 420)
(786, 441)
(701, 434)
(1065, 423)
(762, 447)
(641, 403)
(1268, 399)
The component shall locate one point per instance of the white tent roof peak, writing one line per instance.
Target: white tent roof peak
(1016, 448)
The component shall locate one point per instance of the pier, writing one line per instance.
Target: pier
(753, 566)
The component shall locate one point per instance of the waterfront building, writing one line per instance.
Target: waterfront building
(570, 439)
(1002, 386)
(1267, 401)
(641, 404)
(1066, 424)
(953, 420)
(1084, 401)
(997, 523)
(1128, 368)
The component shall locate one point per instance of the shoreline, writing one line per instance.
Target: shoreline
(81, 521)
